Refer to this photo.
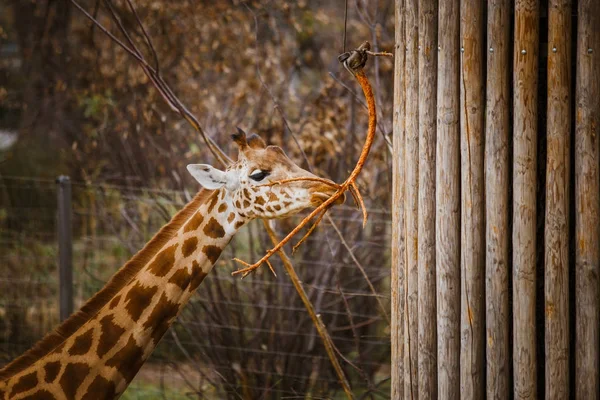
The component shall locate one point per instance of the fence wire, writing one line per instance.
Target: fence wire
(235, 339)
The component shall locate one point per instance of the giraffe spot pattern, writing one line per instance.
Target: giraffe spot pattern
(163, 261)
(100, 386)
(82, 343)
(139, 298)
(128, 360)
(181, 278)
(161, 317)
(114, 302)
(277, 207)
(273, 196)
(51, 371)
(231, 217)
(110, 335)
(214, 229)
(194, 222)
(25, 383)
(260, 201)
(72, 377)
(40, 395)
(286, 203)
(239, 224)
(189, 246)
(213, 201)
(238, 204)
(212, 252)
(197, 276)
(59, 348)
(246, 203)
(246, 193)
(222, 208)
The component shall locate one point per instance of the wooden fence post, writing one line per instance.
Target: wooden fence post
(472, 108)
(427, 357)
(411, 168)
(587, 196)
(65, 247)
(556, 278)
(525, 87)
(447, 217)
(398, 240)
(496, 195)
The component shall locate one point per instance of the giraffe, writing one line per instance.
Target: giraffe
(96, 352)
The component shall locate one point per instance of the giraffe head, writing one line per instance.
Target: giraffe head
(246, 182)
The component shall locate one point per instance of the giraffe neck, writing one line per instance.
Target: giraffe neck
(101, 357)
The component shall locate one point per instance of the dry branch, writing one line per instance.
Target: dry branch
(354, 62)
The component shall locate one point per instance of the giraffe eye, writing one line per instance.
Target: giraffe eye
(258, 175)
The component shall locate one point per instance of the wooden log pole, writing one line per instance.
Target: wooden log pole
(411, 171)
(556, 235)
(447, 218)
(472, 108)
(525, 81)
(398, 240)
(427, 355)
(587, 198)
(496, 195)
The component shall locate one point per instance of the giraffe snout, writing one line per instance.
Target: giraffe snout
(323, 192)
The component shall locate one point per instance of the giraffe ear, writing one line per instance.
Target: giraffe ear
(208, 176)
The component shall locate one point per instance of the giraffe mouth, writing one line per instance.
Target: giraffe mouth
(324, 193)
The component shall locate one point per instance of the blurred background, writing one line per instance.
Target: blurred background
(73, 103)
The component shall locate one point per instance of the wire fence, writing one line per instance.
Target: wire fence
(235, 339)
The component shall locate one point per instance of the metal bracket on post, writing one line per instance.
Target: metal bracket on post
(65, 247)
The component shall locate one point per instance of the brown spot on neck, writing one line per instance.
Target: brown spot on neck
(259, 200)
(128, 360)
(197, 276)
(82, 343)
(100, 388)
(231, 217)
(138, 299)
(163, 261)
(114, 302)
(222, 208)
(160, 318)
(214, 229)
(72, 378)
(194, 222)
(51, 371)
(239, 224)
(111, 333)
(213, 201)
(181, 278)
(189, 246)
(212, 253)
(25, 383)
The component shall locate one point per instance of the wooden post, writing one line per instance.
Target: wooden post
(472, 322)
(411, 168)
(496, 195)
(447, 219)
(427, 357)
(587, 197)
(65, 247)
(398, 240)
(525, 56)
(556, 278)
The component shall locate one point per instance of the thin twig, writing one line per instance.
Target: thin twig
(354, 62)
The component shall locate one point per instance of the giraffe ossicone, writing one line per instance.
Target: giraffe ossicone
(97, 352)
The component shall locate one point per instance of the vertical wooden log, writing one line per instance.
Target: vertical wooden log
(447, 219)
(587, 198)
(427, 357)
(556, 251)
(472, 322)
(398, 240)
(411, 81)
(525, 56)
(496, 194)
